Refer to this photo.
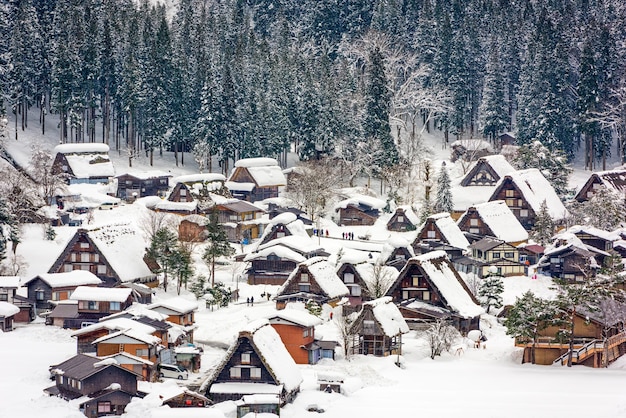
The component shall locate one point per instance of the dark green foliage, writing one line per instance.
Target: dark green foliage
(544, 226)
(217, 244)
(490, 291)
(163, 244)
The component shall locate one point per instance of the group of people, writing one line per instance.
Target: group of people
(348, 235)
(320, 232)
(250, 301)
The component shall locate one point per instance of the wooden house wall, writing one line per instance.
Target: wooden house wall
(84, 342)
(589, 188)
(481, 175)
(107, 376)
(274, 272)
(582, 329)
(435, 233)
(568, 267)
(352, 216)
(127, 185)
(295, 283)
(414, 284)
(245, 347)
(395, 224)
(186, 400)
(241, 175)
(191, 232)
(72, 259)
(293, 338)
(505, 269)
(516, 202)
(473, 223)
(177, 196)
(118, 400)
(106, 349)
(355, 300)
(104, 307)
(278, 231)
(38, 284)
(595, 242)
(60, 165)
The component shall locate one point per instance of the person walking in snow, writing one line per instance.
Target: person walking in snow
(252, 301)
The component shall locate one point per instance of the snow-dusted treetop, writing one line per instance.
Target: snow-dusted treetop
(101, 294)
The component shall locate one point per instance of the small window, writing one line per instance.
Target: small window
(67, 268)
(400, 218)
(348, 277)
(115, 306)
(305, 333)
(495, 254)
(509, 193)
(102, 269)
(104, 407)
(426, 295)
(431, 234)
(474, 231)
(255, 373)
(355, 291)
(304, 288)
(92, 305)
(510, 202)
(4, 297)
(508, 254)
(40, 295)
(304, 277)
(183, 192)
(280, 234)
(415, 281)
(245, 358)
(474, 222)
(523, 213)
(235, 373)
(84, 257)
(84, 245)
(141, 352)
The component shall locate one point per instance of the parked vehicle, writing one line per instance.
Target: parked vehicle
(173, 371)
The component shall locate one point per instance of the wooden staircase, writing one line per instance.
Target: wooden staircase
(591, 348)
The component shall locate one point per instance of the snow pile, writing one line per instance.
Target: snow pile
(10, 281)
(87, 165)
(278, 250)
(176, 304)
(72, 278)
(39, 253)
(361, 200)
(8, 309)
(440, 271)
(101, 294)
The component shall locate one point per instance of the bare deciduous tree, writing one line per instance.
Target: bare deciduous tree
(382, 278)
(345, 326)
(311, 185)
(152, 221)
(40, 171)
(440, 337)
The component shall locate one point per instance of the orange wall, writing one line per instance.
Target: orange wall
(291, 336)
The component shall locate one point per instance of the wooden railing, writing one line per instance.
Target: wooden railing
(590, 348)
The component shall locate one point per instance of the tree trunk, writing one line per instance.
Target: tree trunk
(570, 354)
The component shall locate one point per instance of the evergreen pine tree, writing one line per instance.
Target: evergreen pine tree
(443, 202)
(161, 248)
(552, 164)
(217, 244)
(491, 289)
(494, 112)
(544, 226)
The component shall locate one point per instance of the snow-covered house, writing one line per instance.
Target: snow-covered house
(257, 363)
(493, 219)
(192, 193)
(103, 386)
(138, 343)
(359, 210)
(313, 280)
(7, 313)
(403, 219)
(396, 251)
(179, 311)
(255, 179)
(378, 328)
(569, 258)
(612, 180)
(83, 163)
(524, 192)
(241, 219)
(296, 329)
(45, 290)
(136, 184)
(115, 253)
(490, 252)
(595, 237)
(430, 288)
(487, 171)
(283, 225)
(440, 232)
(192, 228)
(86, 335)
(365, 280)
(8, 293)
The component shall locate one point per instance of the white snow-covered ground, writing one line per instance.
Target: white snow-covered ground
(488, 382)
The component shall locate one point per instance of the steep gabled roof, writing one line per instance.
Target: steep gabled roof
(449, 229)
(535, 188)
(497, 165)
(295, 316)
(72, 278)
(442, 275)
(264, 171)
(323, 273)
(387, 315)
(614, 180)
(500, 220)
(86, 160)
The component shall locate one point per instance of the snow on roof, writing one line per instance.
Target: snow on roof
(245, 388)
(117, 324)
(273, 352)
(91, 195)
(146, 175)
(394, 242)
(387, 275)
(536, 188)
(200, 178)
(72, 278)
(450, 230)
(388, 315)
(176, 304)
(597, 232)
(90, 165)
(284, 218)
(168, 205)
(240, 186)
(446, 279)
(324, 274)
(297, 316)
(124, 335)
(41, 253)
(264, 171)
(8, 309)
(303, 244)
(124, 248)
(410, 214)
(123, 357)
(101, 294)
(502, 222)
(196, 219)
(568, 239)
(464, 197)
(10, 281)
(78, 148)
(138, 310)
(498, 162)
(277, 250)
(361, 200)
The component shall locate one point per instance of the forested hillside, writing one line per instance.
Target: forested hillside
(354, 79)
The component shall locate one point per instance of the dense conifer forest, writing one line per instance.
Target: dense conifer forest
(356, 80)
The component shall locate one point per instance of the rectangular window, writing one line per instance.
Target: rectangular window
(40, 295)
(235, 373)
(84, 245)
(115, 306)
(474, 231)
(304, 288)
(73, 257)
(304, 277)
(245, 358)
(141, 352)
(355, 290)
(104, 407)
(415, 281)
(4, 297)
(425, 295)
(305, 333)
(400, 218)
(431, 234)
(495, 255)
(67, 268)
(523, 213)
(509, 193)
(348, 277)
(102, 269)
(92, 305)
(233, 217)
(510, 202)
(509, 254)
(183, 192)
(255, 373)
(368, 327)
(473, 222)
(84, 257)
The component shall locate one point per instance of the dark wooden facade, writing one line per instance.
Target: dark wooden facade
(515, 200)
(41, 294)
(357, 215)
(400, 222)
(371, 337)
(569, 263)
(130, 187)
(272, 269)
(359, 291)
(242, 175)
(106, 403)
(614, 180)
(302, 286)
(192, 228)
